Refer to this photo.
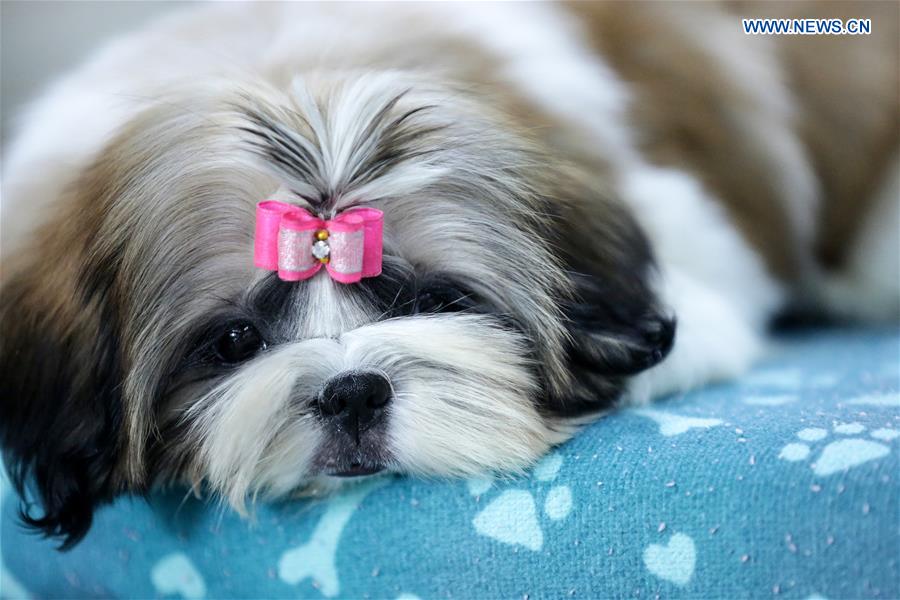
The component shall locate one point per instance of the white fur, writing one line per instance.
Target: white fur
(463, 413)
(251, 438)
(713, 281)
(462, 405)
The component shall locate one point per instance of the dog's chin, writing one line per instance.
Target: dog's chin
(343, 456)
(359, 470)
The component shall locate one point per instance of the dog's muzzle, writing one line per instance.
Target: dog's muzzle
(351, 405)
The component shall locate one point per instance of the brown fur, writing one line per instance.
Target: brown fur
(684, 106)
(849, 91)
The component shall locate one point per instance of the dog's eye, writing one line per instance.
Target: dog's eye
(442, 299)
(240, 341)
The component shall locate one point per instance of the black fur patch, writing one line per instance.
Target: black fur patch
(609, 342)
(61, 410)
(613, 335)
(617, 327)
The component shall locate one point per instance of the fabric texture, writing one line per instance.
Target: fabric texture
(784, 484)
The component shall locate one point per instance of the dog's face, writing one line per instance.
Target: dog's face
(141, 346)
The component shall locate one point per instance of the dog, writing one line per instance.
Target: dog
(566, 207)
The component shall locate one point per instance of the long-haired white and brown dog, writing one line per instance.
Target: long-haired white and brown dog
(562, 187)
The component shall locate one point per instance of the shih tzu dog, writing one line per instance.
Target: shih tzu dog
(260, 248)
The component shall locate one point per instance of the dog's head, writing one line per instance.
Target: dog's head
(141, 346)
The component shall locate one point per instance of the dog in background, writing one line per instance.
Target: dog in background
(581, 203)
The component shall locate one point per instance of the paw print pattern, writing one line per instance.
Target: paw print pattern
(841, 454)
(674, 561)
(175, 574)
(512, 517)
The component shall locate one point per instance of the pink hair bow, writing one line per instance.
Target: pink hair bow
(297, 244)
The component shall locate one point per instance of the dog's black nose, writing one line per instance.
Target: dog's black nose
(355, 401)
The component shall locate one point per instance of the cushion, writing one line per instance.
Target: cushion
(782, 483)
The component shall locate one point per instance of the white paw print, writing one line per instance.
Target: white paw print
(840, 454)
(512, 517)
(175, 574)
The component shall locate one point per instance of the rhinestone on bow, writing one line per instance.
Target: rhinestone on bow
(320, 249)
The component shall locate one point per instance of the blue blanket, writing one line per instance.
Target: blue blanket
(784, 483)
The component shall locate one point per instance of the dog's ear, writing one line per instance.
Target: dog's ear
(614, 333)
(60, 409)
(617, 325)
